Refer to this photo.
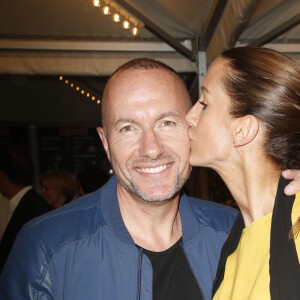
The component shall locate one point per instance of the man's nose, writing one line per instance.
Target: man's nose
(151, 145)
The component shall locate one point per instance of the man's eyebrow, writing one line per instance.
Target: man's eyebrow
(124, 120)
(167, 114)
(159, 117)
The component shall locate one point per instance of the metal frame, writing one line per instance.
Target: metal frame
(83, 46)
(157, 31)
(271, 35)
(211, 23)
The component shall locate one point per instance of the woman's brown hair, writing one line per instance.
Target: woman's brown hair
(265, 83)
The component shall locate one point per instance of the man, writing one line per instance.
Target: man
(136, 237)
(24, 203)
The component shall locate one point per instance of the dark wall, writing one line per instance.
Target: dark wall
(45, 99)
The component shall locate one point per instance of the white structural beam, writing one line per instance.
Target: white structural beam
(82, 63)
(95, 58)
(67, 45)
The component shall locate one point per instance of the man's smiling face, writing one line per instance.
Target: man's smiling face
(145, 132)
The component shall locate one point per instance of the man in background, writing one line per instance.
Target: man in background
(24, 203)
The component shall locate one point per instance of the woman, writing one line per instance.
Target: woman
(58, 187)
(246, 126)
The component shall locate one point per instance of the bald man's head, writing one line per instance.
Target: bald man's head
(142, 64)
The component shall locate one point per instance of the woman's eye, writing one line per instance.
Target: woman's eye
(203, 103)
(126, 128)
(167, 123)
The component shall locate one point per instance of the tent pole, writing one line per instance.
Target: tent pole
(202, 68)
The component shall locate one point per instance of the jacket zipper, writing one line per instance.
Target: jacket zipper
(140, 274)
(181, 244)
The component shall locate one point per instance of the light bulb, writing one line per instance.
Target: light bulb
(72, 84)
(135, 30)
(66, 81)
(116, 17)
(96, 3)
(77, 88)
(106, 10)
(82, 92)
(126, 24)
(61, 78)
(93, 98)
(98, 101)
(87, 94)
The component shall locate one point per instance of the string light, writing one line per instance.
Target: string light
(117, 16)
(126, 24)
(77, 87)
(106, 10)
(135, 30)
(97, 3)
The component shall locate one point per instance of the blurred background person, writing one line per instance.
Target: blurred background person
(24, 202)
(58, 187)
(90, 178)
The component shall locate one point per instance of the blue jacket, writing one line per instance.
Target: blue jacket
(83, 251)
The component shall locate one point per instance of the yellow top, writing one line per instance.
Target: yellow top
(247, 269)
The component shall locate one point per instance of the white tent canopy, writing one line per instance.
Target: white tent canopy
(73, 37)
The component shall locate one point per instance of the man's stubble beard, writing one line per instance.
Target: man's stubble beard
(135, 190)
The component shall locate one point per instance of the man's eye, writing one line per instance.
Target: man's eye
(126, 128)
(167, 123)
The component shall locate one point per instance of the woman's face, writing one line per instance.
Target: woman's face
(51, 193)
(210, 134)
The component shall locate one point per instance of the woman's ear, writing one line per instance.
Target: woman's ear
(246, 130)
(102, 136)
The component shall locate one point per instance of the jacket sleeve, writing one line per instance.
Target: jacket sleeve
(26, 272)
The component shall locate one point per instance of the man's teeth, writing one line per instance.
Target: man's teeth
(153, 170)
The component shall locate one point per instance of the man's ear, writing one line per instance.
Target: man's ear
(246, 130)
(102, 136)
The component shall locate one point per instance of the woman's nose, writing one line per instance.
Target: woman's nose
(191, 117)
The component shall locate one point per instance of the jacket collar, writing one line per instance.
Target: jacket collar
(110, 211)
(190, 224)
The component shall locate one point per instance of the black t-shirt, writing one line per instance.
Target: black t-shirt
(173, 278)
